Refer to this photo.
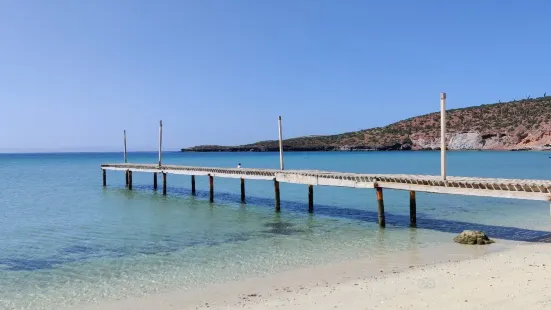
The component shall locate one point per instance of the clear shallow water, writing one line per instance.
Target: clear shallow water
(66, 240)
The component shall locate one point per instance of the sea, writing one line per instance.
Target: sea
(65, 240)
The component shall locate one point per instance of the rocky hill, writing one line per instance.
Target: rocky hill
(515, 125)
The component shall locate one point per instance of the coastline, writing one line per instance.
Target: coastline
(232, 150)
(351, 284)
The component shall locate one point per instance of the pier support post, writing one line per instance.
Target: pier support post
(412, 209)
(211, 188)
(443, 135)
(164, 183)
(277, 197)
(125, 158)
(126, 178)
(381, 206)
(104, 176)
(242, 190)
(310, 198)
(160, 143)
(155, 180)
(129, 173)
(281, 165)
(193, 185)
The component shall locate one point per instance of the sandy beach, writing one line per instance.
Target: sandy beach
(505, 275)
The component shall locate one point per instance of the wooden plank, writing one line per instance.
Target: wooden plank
(466, 191)
(486, 187)
(297, 178)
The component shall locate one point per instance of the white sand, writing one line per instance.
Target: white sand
(518, 277)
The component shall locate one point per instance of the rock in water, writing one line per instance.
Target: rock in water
(473, 237)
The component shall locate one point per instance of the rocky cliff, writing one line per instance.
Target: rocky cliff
(514, 125)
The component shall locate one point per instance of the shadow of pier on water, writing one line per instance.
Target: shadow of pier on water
(393, 220)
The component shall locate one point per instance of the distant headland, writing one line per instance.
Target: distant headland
(515, 125)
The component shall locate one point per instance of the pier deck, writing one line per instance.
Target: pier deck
(471, 186)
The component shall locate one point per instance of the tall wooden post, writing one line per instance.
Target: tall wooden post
(242, 190)
(125, 158)
(130, 179)
(310, 198)
(193, 185)
(164, 183)
(281, 165)
(381, 205)
(155, 180)
(211, 188)
(160, 142)
(412, 209)
(443, 135)
(277, 197)
(104, 177)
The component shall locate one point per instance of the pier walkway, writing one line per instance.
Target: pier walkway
(471, 186)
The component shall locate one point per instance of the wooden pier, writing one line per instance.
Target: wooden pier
(471, 186)
(443, 184)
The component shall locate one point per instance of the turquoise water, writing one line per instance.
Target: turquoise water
(66, 240)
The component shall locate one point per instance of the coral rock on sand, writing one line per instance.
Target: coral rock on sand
(473, 237)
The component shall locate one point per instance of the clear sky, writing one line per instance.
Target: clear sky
(74, 74)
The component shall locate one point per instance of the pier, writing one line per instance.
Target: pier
(470, 186)
(443, 184)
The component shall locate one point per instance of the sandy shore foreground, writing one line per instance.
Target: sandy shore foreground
(518, 277)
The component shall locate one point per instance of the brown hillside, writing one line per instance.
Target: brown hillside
(510, 125)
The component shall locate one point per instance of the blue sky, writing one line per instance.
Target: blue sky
(74, 74)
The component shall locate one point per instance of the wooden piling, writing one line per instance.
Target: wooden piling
(310, 198)
(104, 176)
(277, 198)
(126, 178)
(443, 135)
(242, 190)
(164, 183)
(129, 173)
(211, 188)
(160, 143)
(381, 205)
(193, 185)
(412, 209)
(281, 165)
(155, 180)
(125, 158)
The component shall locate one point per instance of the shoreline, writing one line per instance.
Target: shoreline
(361, 150)
(281, 290)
